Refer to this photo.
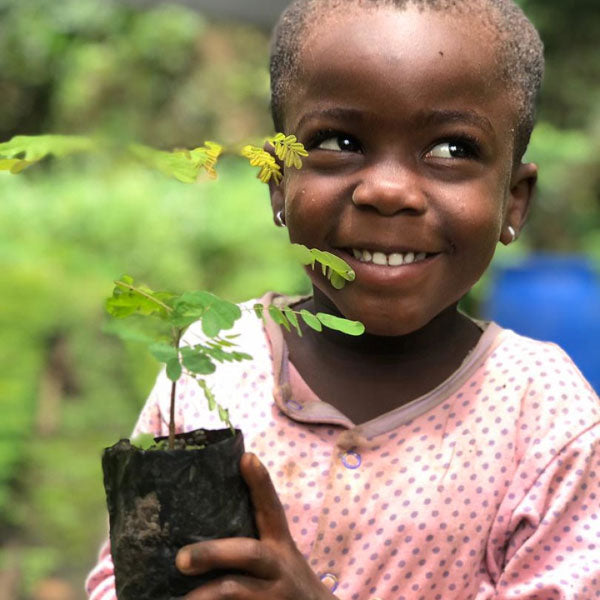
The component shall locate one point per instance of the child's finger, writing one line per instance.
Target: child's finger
(268, 511)
(237, 586)
(241, 554)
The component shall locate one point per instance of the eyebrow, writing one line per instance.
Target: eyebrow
(432, 117)
(338, 114)
(471, 117)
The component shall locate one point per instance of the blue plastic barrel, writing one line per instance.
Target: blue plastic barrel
(551, 298)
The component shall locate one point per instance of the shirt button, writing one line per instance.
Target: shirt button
(351, 459)
(330, 581)
(294, 404)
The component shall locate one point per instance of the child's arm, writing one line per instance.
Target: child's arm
(275, 567)
(554, 546)
(100, 583)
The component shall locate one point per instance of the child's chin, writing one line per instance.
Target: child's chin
(390, 330)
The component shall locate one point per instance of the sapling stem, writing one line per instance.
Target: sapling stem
(177, 339)
(172, 416)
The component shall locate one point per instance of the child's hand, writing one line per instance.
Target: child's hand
(274, 566)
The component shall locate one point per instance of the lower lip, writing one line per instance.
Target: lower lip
(385, 276)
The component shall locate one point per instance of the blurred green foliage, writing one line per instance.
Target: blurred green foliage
(566, 142)
(167, 77)
(159, 76)
(64, 240)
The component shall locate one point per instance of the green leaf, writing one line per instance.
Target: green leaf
(303, 254)
(337, 281)
(278, 316)
(27, 149)
(311, 320)
(293, 319)
(184, 315)
(340, 324)
(337, 270)
(215, 313)
(128, 299)
(258, 310)
(212, 403)
(210, 397)
(219, 315)
(223, 414)
(174, 369)
(143, 441)
(335, 263)
(163, 352)
(196, 361)
(214, 349)
(181, 165)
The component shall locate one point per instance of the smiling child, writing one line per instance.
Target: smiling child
(435, 457)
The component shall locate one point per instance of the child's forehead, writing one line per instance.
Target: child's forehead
(423, 27)
(386, 50)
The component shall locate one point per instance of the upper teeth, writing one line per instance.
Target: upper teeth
(395, 259)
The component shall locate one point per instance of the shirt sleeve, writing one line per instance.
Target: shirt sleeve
(551, 546)
(100, 582)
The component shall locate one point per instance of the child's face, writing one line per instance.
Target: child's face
(410, 133)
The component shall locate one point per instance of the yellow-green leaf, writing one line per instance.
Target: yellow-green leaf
(14, 165)
(269, 169)
(180, 164)
(35, 147)
(288, 149)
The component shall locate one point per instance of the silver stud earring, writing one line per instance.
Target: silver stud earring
(513, 234)
(279, 219)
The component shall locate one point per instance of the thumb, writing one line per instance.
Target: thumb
(268, 510)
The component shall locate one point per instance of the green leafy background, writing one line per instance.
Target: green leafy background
(167, 77)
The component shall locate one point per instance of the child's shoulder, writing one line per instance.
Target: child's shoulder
(539, 361)
(552, 392)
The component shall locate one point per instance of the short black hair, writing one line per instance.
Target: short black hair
(520, 56)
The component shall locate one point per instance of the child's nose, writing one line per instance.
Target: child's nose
(389, 189)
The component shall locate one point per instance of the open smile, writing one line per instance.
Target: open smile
(397, 266)
(392, 259)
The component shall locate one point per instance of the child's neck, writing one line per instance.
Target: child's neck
(344, 370)
(448, 329)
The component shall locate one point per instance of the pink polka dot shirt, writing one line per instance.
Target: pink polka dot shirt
(486, 487)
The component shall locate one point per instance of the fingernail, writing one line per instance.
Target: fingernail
(183, 560)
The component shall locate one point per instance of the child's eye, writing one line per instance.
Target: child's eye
(335, 142)
(457, 149)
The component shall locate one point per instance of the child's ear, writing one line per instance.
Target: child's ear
(522, 189)
(276, 191)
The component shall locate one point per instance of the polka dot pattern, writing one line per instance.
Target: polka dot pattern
(492, 492)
